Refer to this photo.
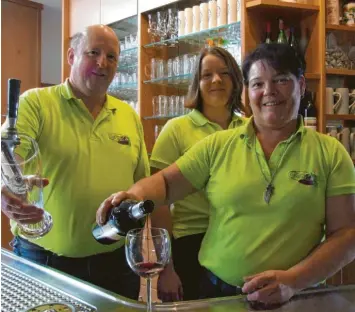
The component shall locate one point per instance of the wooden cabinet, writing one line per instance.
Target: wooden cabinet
(20, 58)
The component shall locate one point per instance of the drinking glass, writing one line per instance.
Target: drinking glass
(21, 173)
(147, 254)
(152, 27)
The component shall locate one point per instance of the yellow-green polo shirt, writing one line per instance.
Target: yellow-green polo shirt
(85, 160)
(190, 216)
(245, 234)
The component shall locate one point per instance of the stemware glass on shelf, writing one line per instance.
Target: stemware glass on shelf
(147, 254)
(21, 173)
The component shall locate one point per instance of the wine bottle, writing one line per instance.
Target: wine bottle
(282, 36)
(126, 216)
(268, 33)
(292, 41)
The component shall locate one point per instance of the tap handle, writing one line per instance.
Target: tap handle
(13, 90)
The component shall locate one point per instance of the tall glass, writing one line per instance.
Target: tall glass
(21, 173)
(147, 253)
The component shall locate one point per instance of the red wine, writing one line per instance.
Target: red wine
(148, 269)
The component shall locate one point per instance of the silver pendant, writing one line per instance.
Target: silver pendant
(268, 193)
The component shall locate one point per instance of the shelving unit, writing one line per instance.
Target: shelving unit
(280, 5)
(166, 49)
(340, 117)
(340, 72)
(340, 28)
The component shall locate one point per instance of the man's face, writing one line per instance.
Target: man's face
(94, 61)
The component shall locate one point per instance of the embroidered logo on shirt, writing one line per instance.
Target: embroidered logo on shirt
(120, 138)
(303, 177)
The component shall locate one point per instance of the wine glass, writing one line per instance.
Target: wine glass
(21, 170)
(152, 27)
(147, 254)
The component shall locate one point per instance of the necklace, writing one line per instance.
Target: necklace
(270, 188)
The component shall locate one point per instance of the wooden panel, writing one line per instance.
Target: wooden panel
(65, 38)
(116, 10)
(83, 13)
(346, 276)
(21, 46)
(20, 58)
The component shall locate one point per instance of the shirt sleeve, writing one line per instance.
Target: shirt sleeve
(166, 149)
(341, 180)
(195, 164)
(30, 119)
(142, 169)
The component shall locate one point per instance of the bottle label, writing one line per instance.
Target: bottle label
(107, 233)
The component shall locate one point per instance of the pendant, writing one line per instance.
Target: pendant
(268, 193)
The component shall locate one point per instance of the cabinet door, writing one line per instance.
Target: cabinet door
(83, 13)
(117, 10)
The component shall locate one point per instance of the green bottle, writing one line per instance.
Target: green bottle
(282, 36)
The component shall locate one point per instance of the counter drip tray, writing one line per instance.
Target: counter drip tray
(20, 293)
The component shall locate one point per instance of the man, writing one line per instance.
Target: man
(91, 144)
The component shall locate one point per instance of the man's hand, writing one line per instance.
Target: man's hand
(110, 202)
(17, 209)
(270, 287)
(169, 285)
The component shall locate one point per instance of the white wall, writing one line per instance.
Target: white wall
(51, 41)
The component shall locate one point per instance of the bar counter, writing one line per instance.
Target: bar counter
(26, 286)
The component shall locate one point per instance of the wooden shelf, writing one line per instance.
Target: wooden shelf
(340, 117)
(340, 27)
(312, 76)
(340, 72)
(281, 4)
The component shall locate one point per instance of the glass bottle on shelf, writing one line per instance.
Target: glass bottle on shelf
(268, 33)
(292, 41)
(281, 38)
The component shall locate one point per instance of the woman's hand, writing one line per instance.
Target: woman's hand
(270, 287)
(169, 285)
(110, 202)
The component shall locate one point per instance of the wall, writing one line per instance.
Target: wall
(51, 41)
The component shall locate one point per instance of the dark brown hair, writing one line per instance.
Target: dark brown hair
(280, 57)
(194, 99)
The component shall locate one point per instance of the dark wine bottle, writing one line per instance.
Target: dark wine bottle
(268, 33)
(128, 215)
(292, 41)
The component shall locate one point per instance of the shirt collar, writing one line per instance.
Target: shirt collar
(66, 90)
(200, 120)
(248, 132)
(68, 94)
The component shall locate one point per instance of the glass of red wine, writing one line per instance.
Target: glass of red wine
(147, 253)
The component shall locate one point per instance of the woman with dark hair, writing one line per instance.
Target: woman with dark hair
(214, 98)
(282, 196)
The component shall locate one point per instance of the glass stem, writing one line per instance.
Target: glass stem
(149, 295)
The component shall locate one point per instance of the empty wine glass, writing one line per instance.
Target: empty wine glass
(21, 173)
(152, 27)
(162, 25)
(147, 254)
